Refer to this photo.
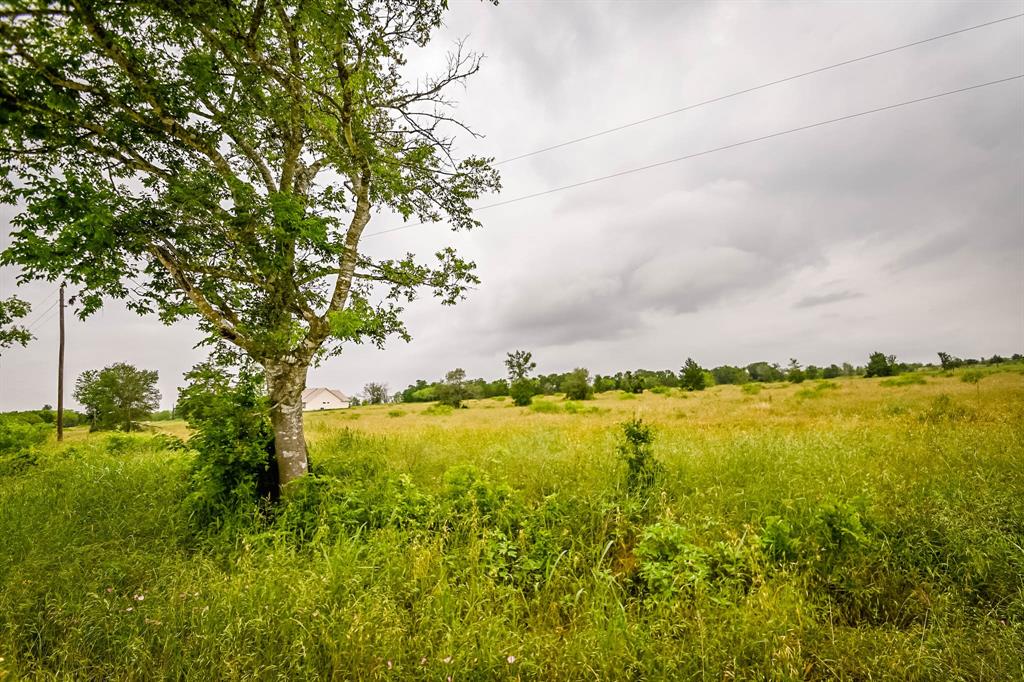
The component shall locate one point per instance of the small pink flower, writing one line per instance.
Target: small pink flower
(140, 597)
(390, 665)
(109, 590)
(130, 608)
(423, 661)
(448, 659)
(511, 659)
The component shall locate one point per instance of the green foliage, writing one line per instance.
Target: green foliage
(972, 376)
(910, 379)
(520, 364)
(453, 391)
(12, 309)
(117, 396)
(576, 385)
(522, 391)
(637, 451)
(765, 372)
(375, 394)
(19, 440)
(751, 389)
(880, 365)
(692, 376)
(545, 407)
(727, 374)
(234, 468)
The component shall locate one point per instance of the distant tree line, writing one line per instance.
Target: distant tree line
(578, 384)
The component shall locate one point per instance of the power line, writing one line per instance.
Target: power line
(769, 84)
(39, 317)
(718, 149)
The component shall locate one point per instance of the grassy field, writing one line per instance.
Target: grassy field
(855, 529)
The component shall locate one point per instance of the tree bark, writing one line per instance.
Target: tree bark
(285, 383)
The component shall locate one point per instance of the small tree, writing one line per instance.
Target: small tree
(375, 394)
(118, 395)
(520, 364)
(880, 365)
(12, 309)
(692, 376)
(576, 385)
(452, 391)
(637, 452)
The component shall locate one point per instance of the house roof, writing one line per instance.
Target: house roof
(310, 392)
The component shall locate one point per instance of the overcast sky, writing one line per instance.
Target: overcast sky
(902, 231)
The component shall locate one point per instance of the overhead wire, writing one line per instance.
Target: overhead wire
(755, 88)
(713, 150)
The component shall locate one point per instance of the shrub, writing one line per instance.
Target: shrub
(19, 435)
(576, 385)
(642, 469)
(545, 407)
(880, 365)
(522, 392)
(692, 376)
(234, 443)
(439, 410)
(904, 380)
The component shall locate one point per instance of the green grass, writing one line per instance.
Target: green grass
(862, 534)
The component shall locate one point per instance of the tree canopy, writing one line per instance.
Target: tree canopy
(11, 310)
(221, 161)
(117, 396)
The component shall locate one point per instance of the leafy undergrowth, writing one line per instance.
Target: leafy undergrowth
(886, 546)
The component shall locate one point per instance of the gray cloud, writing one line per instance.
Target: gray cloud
(823, 299)
(902, 215)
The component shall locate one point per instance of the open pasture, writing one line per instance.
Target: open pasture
(852, 529)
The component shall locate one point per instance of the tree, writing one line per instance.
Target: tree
(764, 372)
(453, 390)
(12, 309)
(726, 374)
(576, 385)
(832, 371)
(118, 395)
(691, 376)
(375, 394)
(222, 161)
(520, 364)
(880, 365)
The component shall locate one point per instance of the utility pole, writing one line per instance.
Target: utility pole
(60, 371)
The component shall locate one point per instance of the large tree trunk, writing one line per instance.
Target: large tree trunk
(285, 383)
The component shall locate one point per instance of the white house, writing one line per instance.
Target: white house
(324, 399)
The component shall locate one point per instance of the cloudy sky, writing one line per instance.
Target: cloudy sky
(902, 231)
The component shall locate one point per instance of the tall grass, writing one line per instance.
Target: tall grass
(862, 534)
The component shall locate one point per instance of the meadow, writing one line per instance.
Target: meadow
(846, 529)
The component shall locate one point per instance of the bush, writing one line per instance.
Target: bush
(522, 392)
(692, 376)
(880, 365)
(576, 385)
(636, 450)
(234, 467)
(19, 435)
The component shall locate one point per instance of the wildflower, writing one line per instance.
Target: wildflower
(511, 659)
(140, 597)
(423, 661)
(448, 659)
(130, 608)
(109, 590)
(390, 665)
